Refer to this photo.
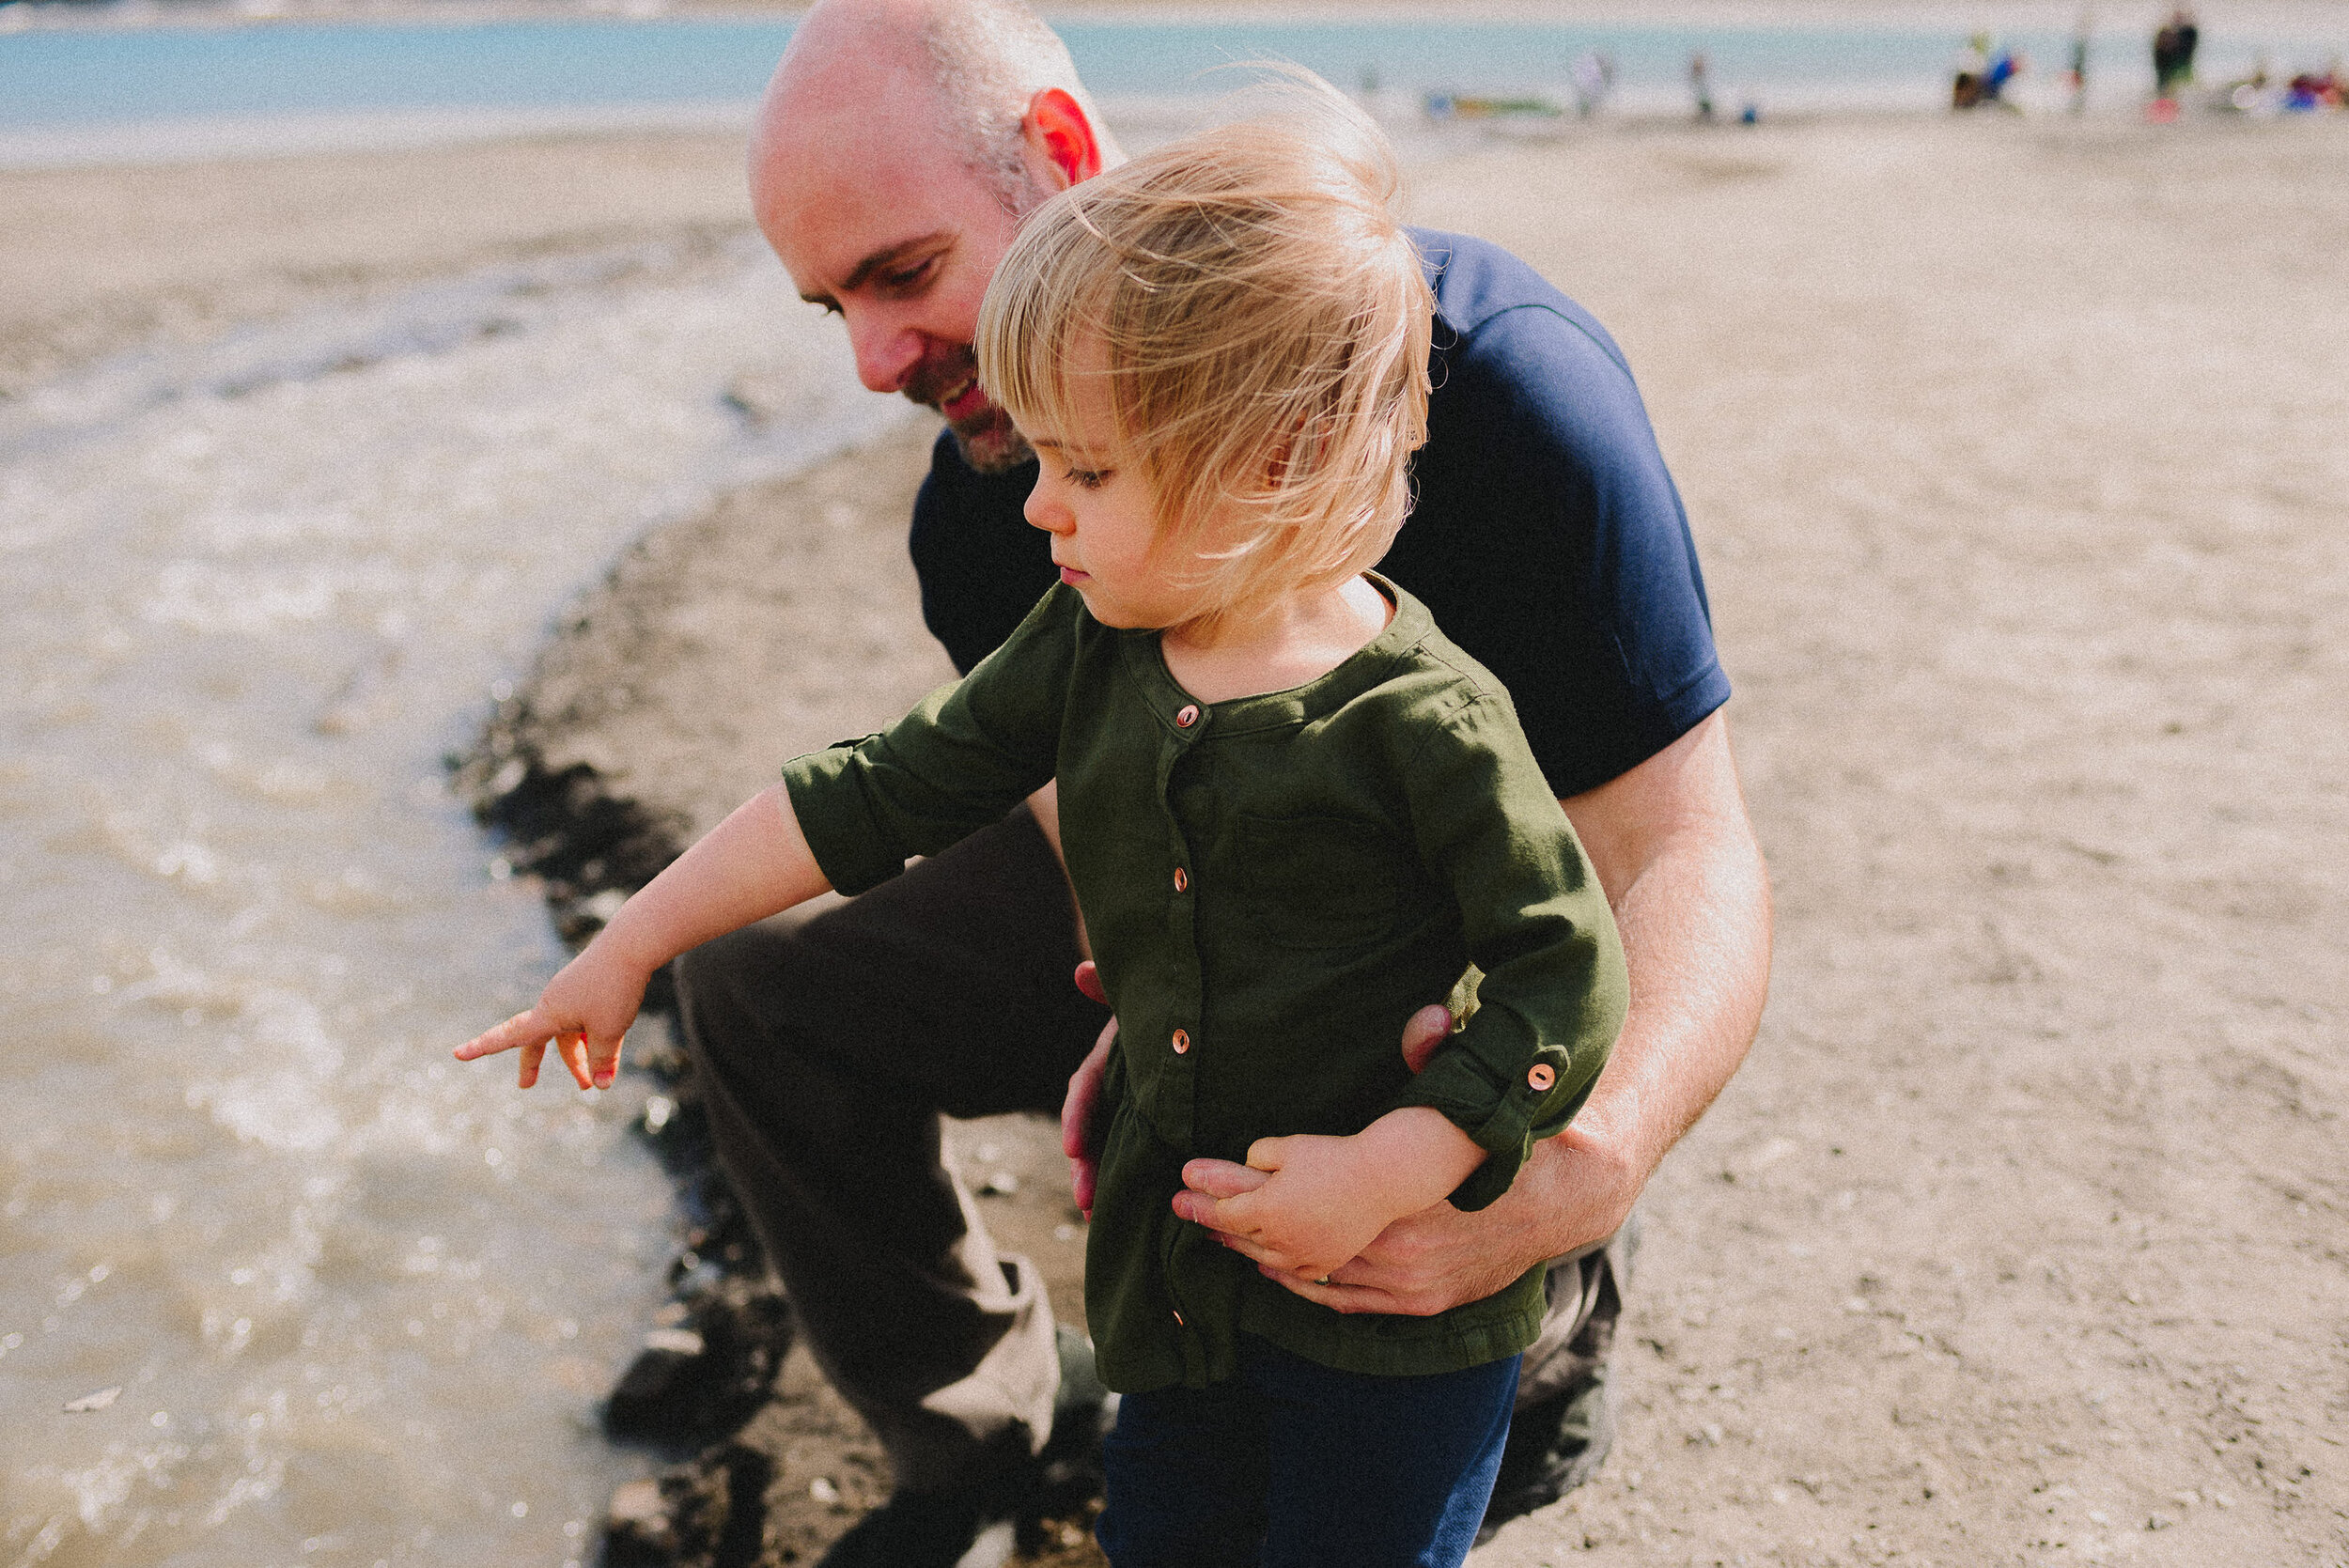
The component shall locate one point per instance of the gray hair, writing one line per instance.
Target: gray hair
(988, 58)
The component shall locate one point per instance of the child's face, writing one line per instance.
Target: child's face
(1102, 511)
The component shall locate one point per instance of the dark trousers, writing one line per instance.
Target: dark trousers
(1294, 1465)
(828, 1045)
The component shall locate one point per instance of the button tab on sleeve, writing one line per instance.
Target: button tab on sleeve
(1540, 1076)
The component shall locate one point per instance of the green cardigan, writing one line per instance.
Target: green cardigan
(1272, 885)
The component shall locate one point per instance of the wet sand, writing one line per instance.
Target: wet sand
(2016, 453)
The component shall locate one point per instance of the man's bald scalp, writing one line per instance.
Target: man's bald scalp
(984, 60)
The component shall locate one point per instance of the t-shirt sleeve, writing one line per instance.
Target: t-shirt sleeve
(1553, 544)
(965, 756)
(1554, 989)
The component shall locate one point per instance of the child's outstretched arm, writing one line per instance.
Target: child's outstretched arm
(754, 863)
(1326, 1198)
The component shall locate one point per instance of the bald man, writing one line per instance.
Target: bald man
(897, 148)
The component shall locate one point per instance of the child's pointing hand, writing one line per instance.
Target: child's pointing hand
(583, 1012)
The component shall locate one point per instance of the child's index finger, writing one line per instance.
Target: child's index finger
(522, 1028)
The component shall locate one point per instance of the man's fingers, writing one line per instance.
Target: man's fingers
(1078, 1138)
(1255, 1252)
(1337, 1293)
(1423, 1032)
(1089, 982)
(1083, 1173)
(1266, 1154)
(533, 1054)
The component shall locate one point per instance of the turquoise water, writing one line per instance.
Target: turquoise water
(83, 75)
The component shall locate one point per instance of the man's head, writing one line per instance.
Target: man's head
(899, 146)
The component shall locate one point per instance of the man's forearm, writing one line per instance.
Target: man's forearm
(1692, 897)
(1696, 935)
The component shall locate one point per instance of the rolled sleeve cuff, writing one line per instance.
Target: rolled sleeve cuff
(1504, 1119)
(827, 797)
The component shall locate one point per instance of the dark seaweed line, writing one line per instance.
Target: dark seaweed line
(711, 1364)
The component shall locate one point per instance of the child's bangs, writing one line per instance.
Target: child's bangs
(1046, 295)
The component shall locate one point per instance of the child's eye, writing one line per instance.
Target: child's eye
(1088, 478)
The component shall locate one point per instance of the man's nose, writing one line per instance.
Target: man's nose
(886, 353)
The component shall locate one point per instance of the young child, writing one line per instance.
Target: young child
(1293, 813)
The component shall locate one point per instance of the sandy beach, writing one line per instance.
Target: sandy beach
(2018, 455)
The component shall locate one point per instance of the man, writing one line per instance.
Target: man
(896, 148)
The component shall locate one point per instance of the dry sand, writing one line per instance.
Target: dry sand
(2019, 455)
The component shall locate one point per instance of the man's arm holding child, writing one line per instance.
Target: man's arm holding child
(1676, 856)
(754, 863)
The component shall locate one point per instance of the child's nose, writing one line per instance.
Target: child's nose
(1045, 512)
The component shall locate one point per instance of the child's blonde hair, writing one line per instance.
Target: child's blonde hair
(1263, 320)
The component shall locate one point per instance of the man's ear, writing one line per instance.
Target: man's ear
(1058, 132)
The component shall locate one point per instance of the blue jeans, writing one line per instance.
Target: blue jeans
(1292, 1464)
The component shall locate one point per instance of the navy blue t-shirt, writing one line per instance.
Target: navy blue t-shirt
(1547, 537)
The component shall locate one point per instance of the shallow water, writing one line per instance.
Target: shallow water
(359, 1301)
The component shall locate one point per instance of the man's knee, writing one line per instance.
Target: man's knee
(730, 991)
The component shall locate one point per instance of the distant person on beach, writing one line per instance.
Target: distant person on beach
(2311, 90)
(2174, 42)
(1965, 75)
(1982, 75)
(1593, 75)
(1701, 85)
(1293, 809)
(2075, 75)
(899, 146)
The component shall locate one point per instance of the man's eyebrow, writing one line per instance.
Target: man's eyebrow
(886, 256)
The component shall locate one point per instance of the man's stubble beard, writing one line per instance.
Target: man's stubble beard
(989, 441)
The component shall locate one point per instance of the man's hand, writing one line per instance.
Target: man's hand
(1081, 1132)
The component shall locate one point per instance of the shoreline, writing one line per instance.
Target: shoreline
(294, 136)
